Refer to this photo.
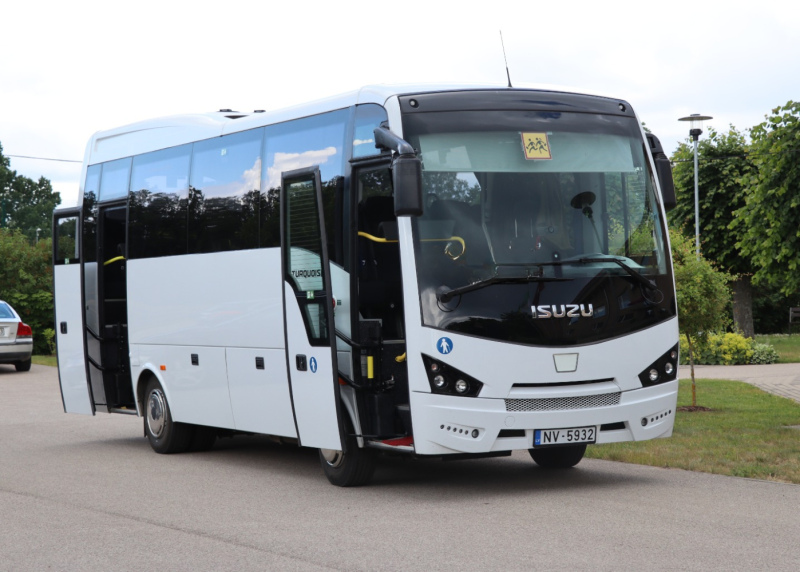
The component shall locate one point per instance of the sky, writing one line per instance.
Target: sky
(69, 69)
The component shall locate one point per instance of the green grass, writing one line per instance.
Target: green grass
(45, 360)
(747, 433)
(787, 346)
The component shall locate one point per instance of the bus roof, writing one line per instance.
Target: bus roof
(163, 132)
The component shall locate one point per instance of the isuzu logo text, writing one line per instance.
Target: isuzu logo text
(562, 311)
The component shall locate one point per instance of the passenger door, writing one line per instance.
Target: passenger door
(70, 346)
(308, 312)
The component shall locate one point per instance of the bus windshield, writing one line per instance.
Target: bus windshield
(533, 215)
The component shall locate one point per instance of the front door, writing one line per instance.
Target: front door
(75, 391)
(308, 311)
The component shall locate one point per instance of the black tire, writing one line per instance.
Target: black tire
(203, 438)
(558, 457)
(23, 365)
(351, 469)
(165, 435)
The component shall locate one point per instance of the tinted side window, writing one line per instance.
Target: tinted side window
(317, 140)
(91, 190)
(158, 203)
(114, 184)
(224, 193)
(368, 118)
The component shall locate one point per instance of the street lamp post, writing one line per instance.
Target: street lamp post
(695, 130)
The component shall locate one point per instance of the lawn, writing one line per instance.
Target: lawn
(747, 433)
(788, 346)
(45, 360)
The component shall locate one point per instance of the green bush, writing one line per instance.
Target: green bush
(764, 353)
(728, 349)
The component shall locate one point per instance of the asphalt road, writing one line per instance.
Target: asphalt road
(88, 493)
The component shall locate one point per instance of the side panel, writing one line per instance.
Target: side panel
(259, 391)
(195, 380)
(71, 361)
(229, 299)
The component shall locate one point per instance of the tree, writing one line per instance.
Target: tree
(26, 204)
(723, 166)
(26, 282)
(769, 222)
(703, 296)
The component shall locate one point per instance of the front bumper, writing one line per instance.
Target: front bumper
(457, 425)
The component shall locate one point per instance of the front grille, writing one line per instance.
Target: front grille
(562, 403)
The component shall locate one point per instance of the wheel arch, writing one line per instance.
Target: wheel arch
(147, 373)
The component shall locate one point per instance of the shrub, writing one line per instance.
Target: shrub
(729, 349)
(764, 353)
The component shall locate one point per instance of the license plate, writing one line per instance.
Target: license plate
(2, 332)
(546, 437)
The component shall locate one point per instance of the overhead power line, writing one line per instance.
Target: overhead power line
(44, 159)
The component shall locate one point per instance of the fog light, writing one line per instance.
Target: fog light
(669, 368)
(653, 375)
(475, 433)
(439, 381)
(462, 386)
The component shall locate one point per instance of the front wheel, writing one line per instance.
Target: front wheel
(558, 457)
(351, 469)
(165, 435)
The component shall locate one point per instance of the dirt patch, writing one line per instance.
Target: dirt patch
(693, 408)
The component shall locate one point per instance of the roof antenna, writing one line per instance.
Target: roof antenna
(508, 75)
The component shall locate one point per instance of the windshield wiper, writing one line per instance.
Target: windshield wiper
(499, 277)
(638, 276)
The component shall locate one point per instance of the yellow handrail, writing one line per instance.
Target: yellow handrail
(446, 248)
(117, 259)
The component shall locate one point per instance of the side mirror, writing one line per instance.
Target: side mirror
(406, 173)
(407, 181)
(663, 172)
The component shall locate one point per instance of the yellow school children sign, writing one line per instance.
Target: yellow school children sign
(536, 146)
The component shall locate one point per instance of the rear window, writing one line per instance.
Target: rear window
(5, 311)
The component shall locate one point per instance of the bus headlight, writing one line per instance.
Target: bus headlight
(662, 370)
(447, 380)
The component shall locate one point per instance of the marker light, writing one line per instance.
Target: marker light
(439, 381)
(462, 386)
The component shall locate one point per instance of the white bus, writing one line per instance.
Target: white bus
(452, 272)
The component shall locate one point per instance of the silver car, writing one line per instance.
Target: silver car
(16, 339)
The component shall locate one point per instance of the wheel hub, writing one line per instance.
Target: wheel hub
(156, 407)
(333, 457)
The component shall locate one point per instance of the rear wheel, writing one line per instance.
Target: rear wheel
(558, 457)
(351, 469)
(23, 365)
(165, 435)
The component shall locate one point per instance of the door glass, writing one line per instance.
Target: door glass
(67, 241)
(304, 253)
